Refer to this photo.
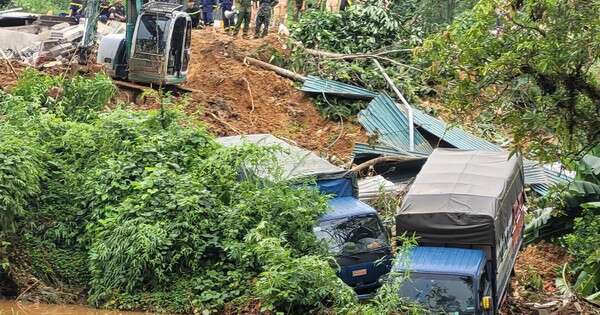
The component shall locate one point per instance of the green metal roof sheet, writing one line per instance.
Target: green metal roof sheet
(453, 135)
(383, 118)
(318, 85)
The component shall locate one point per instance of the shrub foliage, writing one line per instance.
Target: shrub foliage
(145, 210)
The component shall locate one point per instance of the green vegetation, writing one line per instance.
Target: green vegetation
(530, 64)
(144, 210)
(389, 30)
(526, 71)
(39, 6)
(584, 193)
(582, 244)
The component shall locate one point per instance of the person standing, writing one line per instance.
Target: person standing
(243, 17)
(117, 11)
(76, 7)
(104, 13)
(263, 18)
(207, 11)
(226, 6)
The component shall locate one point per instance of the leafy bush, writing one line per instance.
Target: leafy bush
(334, 108)
(144, 210)
(360, 28)
(21, 172)
(41, 6)
(583, 245)
(77, 98)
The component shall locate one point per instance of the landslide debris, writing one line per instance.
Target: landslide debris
(234, 97)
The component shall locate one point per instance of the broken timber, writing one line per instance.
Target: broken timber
(381, 159)
(281, 71)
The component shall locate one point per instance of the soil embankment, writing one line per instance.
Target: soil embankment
(238, 98)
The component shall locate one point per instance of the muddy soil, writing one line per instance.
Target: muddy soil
(237, 98)
(12, 307)
(536, 270)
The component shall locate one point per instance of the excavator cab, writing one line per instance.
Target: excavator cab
(159, 50)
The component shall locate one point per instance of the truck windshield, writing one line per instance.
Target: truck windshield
(152, 35)
(445, 294)
(349, 236)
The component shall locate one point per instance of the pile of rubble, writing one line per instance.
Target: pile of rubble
(39, 40)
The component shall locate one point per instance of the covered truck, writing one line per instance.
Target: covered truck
(352, 229)
(467, 210)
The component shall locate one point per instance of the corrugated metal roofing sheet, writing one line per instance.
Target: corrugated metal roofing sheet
(345, 207)
(370, 188)
(383, 118)
(362, 148)
(552, 178)
(314, 84)
(453, 135)
(534, 173)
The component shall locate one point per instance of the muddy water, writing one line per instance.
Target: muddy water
(18, 308)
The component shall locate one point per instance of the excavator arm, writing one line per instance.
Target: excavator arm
(90, 30)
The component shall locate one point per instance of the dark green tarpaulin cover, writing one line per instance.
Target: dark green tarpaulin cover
(462, 197)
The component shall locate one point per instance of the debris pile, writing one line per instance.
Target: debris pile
(38, 40)
(234, 98)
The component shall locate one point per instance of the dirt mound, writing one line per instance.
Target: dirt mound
(237, 98)
(7, 77)
(534, 282)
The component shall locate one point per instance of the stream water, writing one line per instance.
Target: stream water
(8, 307)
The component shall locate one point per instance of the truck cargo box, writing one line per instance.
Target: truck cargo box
(470, 199)
(462, 197)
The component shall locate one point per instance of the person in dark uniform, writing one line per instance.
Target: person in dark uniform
(104, 12)
(76, 7)
(195, 11)
(263, 18)
(207, 11)
(243, 17)
(226, 6)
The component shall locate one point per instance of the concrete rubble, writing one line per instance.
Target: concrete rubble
(47, 39)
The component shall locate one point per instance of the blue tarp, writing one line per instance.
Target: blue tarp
(346, 207)
(341, 187)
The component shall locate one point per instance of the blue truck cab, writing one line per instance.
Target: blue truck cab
(359, 242)
(466, 209)
(351, 229)
(446, 280)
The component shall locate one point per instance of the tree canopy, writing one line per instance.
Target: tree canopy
(530, 64)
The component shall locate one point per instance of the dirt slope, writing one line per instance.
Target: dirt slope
(238, 98)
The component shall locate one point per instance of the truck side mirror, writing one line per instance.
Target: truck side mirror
(486, 303)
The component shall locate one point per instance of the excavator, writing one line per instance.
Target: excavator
(155, 48)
